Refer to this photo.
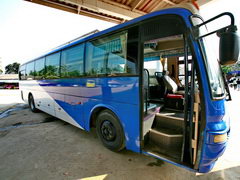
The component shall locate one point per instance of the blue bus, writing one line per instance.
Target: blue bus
(151, 85)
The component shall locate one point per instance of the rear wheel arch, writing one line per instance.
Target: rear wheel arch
(94, 115)
(29, 94)
(31, 103)
(96, 111)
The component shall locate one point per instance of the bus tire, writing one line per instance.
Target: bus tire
(110, 131)
(31, 103)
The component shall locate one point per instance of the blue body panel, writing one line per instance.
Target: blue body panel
(216, 123)
(121, 95)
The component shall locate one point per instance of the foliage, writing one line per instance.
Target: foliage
(68, 71)
(52, 72)
(12, 68)
(229, 68)
(1, 71)
(226, 69)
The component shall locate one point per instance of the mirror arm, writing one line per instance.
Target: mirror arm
(218, 16)
(231, 27)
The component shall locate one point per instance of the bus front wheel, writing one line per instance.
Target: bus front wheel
(110, 131)
(32, 104)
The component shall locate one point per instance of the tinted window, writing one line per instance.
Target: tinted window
(52, 66)
(39, 68)
(109, 56)
(23, 67)
(30, 71)
(22, 72)
(95, 62)
(72, 61)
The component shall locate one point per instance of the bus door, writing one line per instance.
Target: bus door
(170, 92)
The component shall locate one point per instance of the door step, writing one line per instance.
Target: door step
(166, 139)
(169, 122)
(166, 135)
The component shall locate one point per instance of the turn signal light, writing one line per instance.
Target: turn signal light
(220, 138)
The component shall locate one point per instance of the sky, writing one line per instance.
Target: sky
(216, 7)
(28, 30)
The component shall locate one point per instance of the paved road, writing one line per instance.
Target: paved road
(38, 146)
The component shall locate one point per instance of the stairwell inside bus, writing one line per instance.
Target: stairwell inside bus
(171, 114)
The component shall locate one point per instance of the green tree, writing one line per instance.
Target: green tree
(1, 71)
(226, 69)
(233, 67)
(12, 68)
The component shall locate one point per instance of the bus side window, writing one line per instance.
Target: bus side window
(110, 56)
(22, 73)
(52, 66)
(95, 61)
(39, 68)
(30, 71)
(116, 60)
(72, 61)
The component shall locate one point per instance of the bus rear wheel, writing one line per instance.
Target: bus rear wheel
(110, 131)
(32, 103)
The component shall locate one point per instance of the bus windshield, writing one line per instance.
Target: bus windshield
(214, 73)
(213, 69)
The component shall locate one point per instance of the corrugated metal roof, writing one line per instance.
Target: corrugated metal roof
(117, 11)
(79, 40)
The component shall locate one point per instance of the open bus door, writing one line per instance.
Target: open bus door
(174, 114)
(170, 125)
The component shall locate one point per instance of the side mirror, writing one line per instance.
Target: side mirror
(229, 40)
(228, 48)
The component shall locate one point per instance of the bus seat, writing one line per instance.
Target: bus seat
(170, 84)
(159, 78)
(174, 101)
(174, 98)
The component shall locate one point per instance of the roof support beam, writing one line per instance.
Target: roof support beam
(124, 6)
(76, 10)
(169, 2)
(112, 10)
(135, 3)
(158, 6)
(105, 8)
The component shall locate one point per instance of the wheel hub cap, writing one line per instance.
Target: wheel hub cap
(108, 131)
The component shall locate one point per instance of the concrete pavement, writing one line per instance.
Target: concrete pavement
(38, 146)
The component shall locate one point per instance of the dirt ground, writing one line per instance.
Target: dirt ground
(38, 146)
